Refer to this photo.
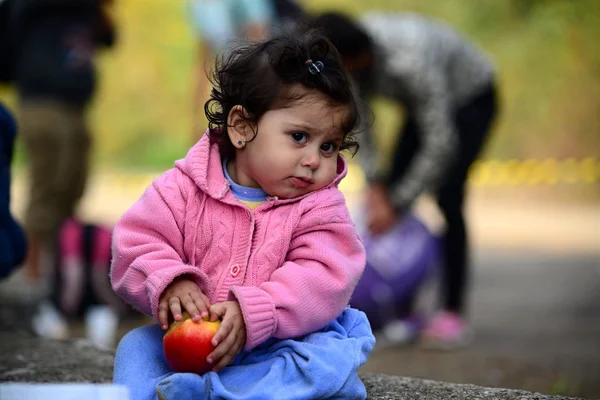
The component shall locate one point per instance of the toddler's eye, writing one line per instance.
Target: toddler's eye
(300, 137)
(328, 147)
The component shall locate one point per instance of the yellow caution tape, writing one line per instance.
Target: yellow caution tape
(529, 172)
(533, 172)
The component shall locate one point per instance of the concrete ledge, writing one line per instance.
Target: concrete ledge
(24, 358)
(386, 387)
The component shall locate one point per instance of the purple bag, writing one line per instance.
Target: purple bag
(398, 262)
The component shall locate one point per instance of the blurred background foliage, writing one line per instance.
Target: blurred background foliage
(546, 53)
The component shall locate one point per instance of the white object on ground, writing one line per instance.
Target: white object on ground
(49, 323)
(101, 323)
(63, 391)
(400, 332)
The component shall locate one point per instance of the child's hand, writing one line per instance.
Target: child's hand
(182, 292)
(231, 336)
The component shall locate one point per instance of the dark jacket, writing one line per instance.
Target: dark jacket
(56, 44)
(12, 238)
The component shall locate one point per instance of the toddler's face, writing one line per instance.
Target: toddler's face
(296, 149)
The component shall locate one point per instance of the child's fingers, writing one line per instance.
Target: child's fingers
(224, 353)
(201, 306)
(206, 299)
(223, 332)
(239, 340)
(190, 307)
(202, 309)
(223, 362)
(236, 349)
(217, 311)
(206, 302)
(175, 307)
(212, 316)
(163, 314)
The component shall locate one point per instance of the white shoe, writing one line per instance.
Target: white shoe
(402, 331)
(49, 323)
(101, 323)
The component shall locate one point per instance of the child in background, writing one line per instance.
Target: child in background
(80, 287)
(251, 228)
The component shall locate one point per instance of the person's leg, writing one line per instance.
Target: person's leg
(72, 172)
(455, 246)
(42, 137)
(69, 276)
(473, 123)
(48, 129)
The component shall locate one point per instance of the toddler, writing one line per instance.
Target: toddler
(251, 228)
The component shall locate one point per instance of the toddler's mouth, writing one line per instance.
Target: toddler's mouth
(301, 182)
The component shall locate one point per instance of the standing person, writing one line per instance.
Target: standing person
(447, 87)
(13, 244)
(55, 76)
(289, 15)
(219, 23)
(252, 229)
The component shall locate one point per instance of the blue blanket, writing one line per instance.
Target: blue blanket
(321, 365)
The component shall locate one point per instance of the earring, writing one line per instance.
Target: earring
(240, 143)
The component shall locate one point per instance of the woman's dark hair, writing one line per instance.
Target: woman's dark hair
(348, 37)
(256, 77)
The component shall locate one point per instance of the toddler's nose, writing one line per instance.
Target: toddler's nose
(311, 161)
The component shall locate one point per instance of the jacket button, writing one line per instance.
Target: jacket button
(235, 270)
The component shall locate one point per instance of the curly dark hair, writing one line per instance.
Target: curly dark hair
(256, 77)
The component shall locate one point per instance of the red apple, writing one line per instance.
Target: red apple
(187, 344)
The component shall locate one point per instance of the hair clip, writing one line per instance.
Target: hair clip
(314, 67)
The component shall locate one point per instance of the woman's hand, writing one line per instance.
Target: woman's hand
(381, 215)
(184, 293)
(231, 336)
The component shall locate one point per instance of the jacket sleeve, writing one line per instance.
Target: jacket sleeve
(148, 245)
(368, 155)
(429, 100)
(323, 265)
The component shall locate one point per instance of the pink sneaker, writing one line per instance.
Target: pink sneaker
(446, 331)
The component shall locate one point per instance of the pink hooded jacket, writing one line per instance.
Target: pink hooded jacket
(291, 264)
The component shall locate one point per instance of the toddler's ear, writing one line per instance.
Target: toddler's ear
(240, 127)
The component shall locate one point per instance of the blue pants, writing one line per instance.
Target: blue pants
(319, 365)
